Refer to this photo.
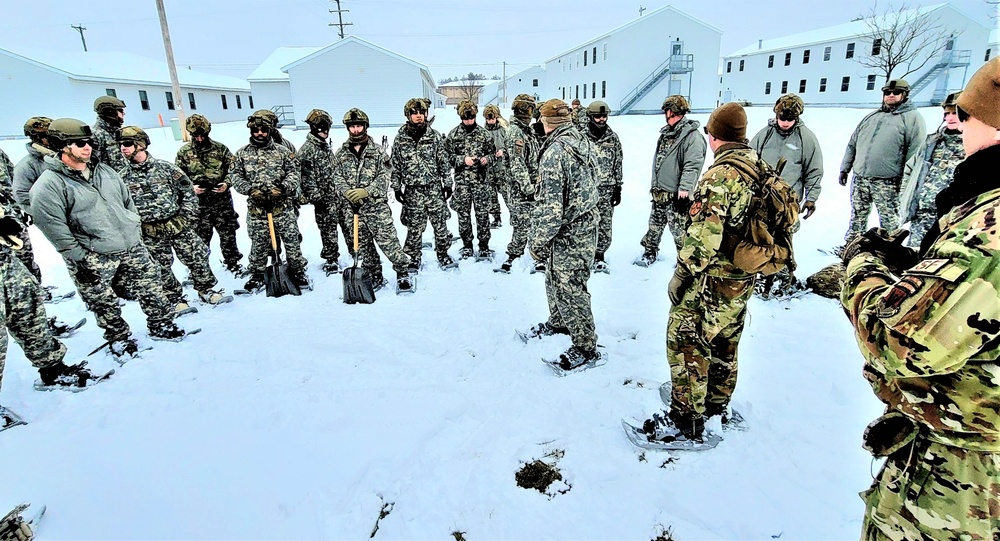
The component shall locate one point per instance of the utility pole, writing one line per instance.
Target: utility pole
(174, 83)
(641, 9)
(80, 28)
(340, 18)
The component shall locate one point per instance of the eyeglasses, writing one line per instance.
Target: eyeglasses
(895, 92)
(80, 143)
(260, 129)
(126, 144)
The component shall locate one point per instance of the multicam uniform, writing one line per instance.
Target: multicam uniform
(207, 167)
(608, 154)
(106, 150)
(930, 343)
(316, 162)
(472, 190)
(564, 230)
(165, 200)
(933, 172)
(522, 154)
(704, 329)
(680, 155)
(26, 253)
(421, 166)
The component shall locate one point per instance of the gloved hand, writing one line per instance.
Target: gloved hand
(536, 257)
(13, 526)
(9, 227)
(400, 196)
(355, 195)
(843, 178)
(446, 191)
(85, 275)
(275, 192)
(808, 208)
(616, 196)
(886, 246)
(679, 283)
(256, 194)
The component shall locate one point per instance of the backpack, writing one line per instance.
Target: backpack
(764, 242)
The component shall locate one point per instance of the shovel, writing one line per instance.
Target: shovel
(357, 283)
(276, 279)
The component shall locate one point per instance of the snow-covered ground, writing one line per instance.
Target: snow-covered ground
(300, 417)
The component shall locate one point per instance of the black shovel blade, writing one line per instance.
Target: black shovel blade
(277, 281)
(358, 286)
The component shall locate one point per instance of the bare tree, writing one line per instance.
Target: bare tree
(901, 40)
(470, 86)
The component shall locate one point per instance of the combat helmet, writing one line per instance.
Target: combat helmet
(950, 104)
(317, 117)
(598, 108)
(897, 84)
(63, 131)
(677, 104)
(356, 116)
(523, 105)
(197, 125)
(134, 135)
(37, 127)
(263, 118)
(491, 111)
(108, 105)
(416, 105)
(789, 107)
(467, 109)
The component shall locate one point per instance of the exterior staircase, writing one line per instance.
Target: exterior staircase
(675, 64)
(938, 72)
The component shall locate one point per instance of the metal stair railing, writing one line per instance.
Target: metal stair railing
(678, 63)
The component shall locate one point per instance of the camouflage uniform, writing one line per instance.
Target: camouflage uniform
(261, 169)
(564, 230)
(26, 254)
(165, 200)
(680, 155)
(522, 154)
(498, 173)
(370, 169)
(704, 329)
(930, 343)
(207, 167)
(580, 118)
(316, 162)
(472, 190)
(421, 166)
(608, 154)
(934, 171)
(106, 150)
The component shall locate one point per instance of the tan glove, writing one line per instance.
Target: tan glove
(14, 528)
(355, 195)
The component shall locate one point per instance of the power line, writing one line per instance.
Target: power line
(340, 18)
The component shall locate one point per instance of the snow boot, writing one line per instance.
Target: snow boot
(413, 267)
(124, 347)
(466, 252)
(236, 269)
(539, 267)
(446, 262)
(332, 266)
(540, 330)
(214, 297)
(299, 276)
(600, 265)
(669, 428)
(169, 332)
(506, 266)
(183, 308)
(646, 259)
(485, 254)
(575, 357)
(378, 281)
(255, 283)
(74, 375)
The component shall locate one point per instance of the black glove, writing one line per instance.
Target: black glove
(886, 246)
(679, 284)
(400, 196)
(86, 276)
(843, 178)
(616, 196)
(808, 208)
(10, 227)
(682, 204)
(446, 191)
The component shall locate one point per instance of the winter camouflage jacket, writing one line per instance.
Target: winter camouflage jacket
(608, 152)
(420, 163)
(721, 201)
(207, 167)
(79, 215)
(567, 189)
(6, 176)
(27, 171)
(106, 149)
(928, 172)
(498, 172)
(476, 142)
(884, 141)
(370, 169)
(522, 154)
(316, 170)
(265, 167)
(799, 147)
(160, 190)
(680, 156)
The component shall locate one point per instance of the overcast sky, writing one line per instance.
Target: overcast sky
(450, 37)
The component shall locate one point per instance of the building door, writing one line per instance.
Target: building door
(677, 48)
(727, 96)
(674, 88)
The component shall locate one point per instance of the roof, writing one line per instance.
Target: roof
(994, 35)
(633, 23)
(370, 45)
(477, 82)
(270, 68)
(823, 35)
(122, 67)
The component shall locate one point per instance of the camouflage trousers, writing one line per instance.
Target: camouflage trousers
(883, 193)
(499, 188)
(663, 215)
(216, 212)
(27, 255)
(934, 491)
(605, 214)
(466, 199)
(375, 226)
(330, 215)
(703, 334)
(137, 268)
(566, 280)
(425, 203)
(192, 252)
(520, 206)
(919, 225)
(286, 232)
(23, 316)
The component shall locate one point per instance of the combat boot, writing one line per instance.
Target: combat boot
(403, 283)
(169, 332)
(299, 276)
(545, 329)
(124, 347)
(212, 297)
(255, 282)
(466, 252)
(74, 375)
(507, 265)
(236, 268)
(332, 266)
(575, 357)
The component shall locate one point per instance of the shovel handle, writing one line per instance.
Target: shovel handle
(355, 233)
(270, 228)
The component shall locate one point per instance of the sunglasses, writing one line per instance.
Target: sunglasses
(80, 143)
(893, 92)
(260, 129)
(126, 144)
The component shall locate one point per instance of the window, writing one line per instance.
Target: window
(534, 83)
(191, 101)
(594, 56)
(788, 59)
(170, 100)
(805, 56)
(987, 58)
(729, 67)
(741, 65)
(578, 60)
(593, 89)
(585, 55)
(767, 88)
(822, 84)
(584, 90)
(224, 104)
(770, 61)
(111, 92)
(871, 83)
(563, 92)
(949, 45)
(239, 103)
(826, 54)
(850, 50)
(605, 55)
(845, 84)
(143, 100)
(577, 92)
(802, 86)
(604, 89)
(784, 87)
(876, 47)
(250, 99)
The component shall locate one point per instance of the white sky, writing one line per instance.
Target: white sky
(451, 37)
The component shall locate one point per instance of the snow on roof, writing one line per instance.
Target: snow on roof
(122, 67)
(822, 35)
(477, 82)
(270, 68)
(355, 39)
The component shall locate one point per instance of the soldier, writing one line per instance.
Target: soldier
(87, 213)
(609, 176)
(498, 173)
(925, 325)
(13, 527)
(110, 118)
(168, 208)
(579, 114)
(268, 174)
(680, 155)
(207, 163)
(470, 150)
(7, 171)
(708, 292)
(272, 119)
(27, 171)
(877, 151)
(931, 171)
(786, 136)
(564, 232)
(361, 172)
(522, 153)
(420, 166)
(316, 173)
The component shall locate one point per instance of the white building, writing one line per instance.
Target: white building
(822, 65)
(349, 73)
(635, 66)
(65, 84)
(530, 81)
(993, 49)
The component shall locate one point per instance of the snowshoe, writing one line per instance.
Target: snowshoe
(413, 267)
(183, 309)
(540, 330)
(485, 254)
(73, 377)
(505, 266)
(731, 419)
(168, 332)
(300, 278)
(645, 260)
(331, 267)
(575, 360)
(466, 253)
(9, 419)
(65, 330)
(214, 297)
(659, 434)
(406, 284)
(121, 350)
(379, 282)
(446, 262)
(539, 267)
(237, 270)
(15, 526)
(56, 299)
(600, 266)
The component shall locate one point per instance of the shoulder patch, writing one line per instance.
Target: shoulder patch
(894, 298)
(695, 209)
(929, 266)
